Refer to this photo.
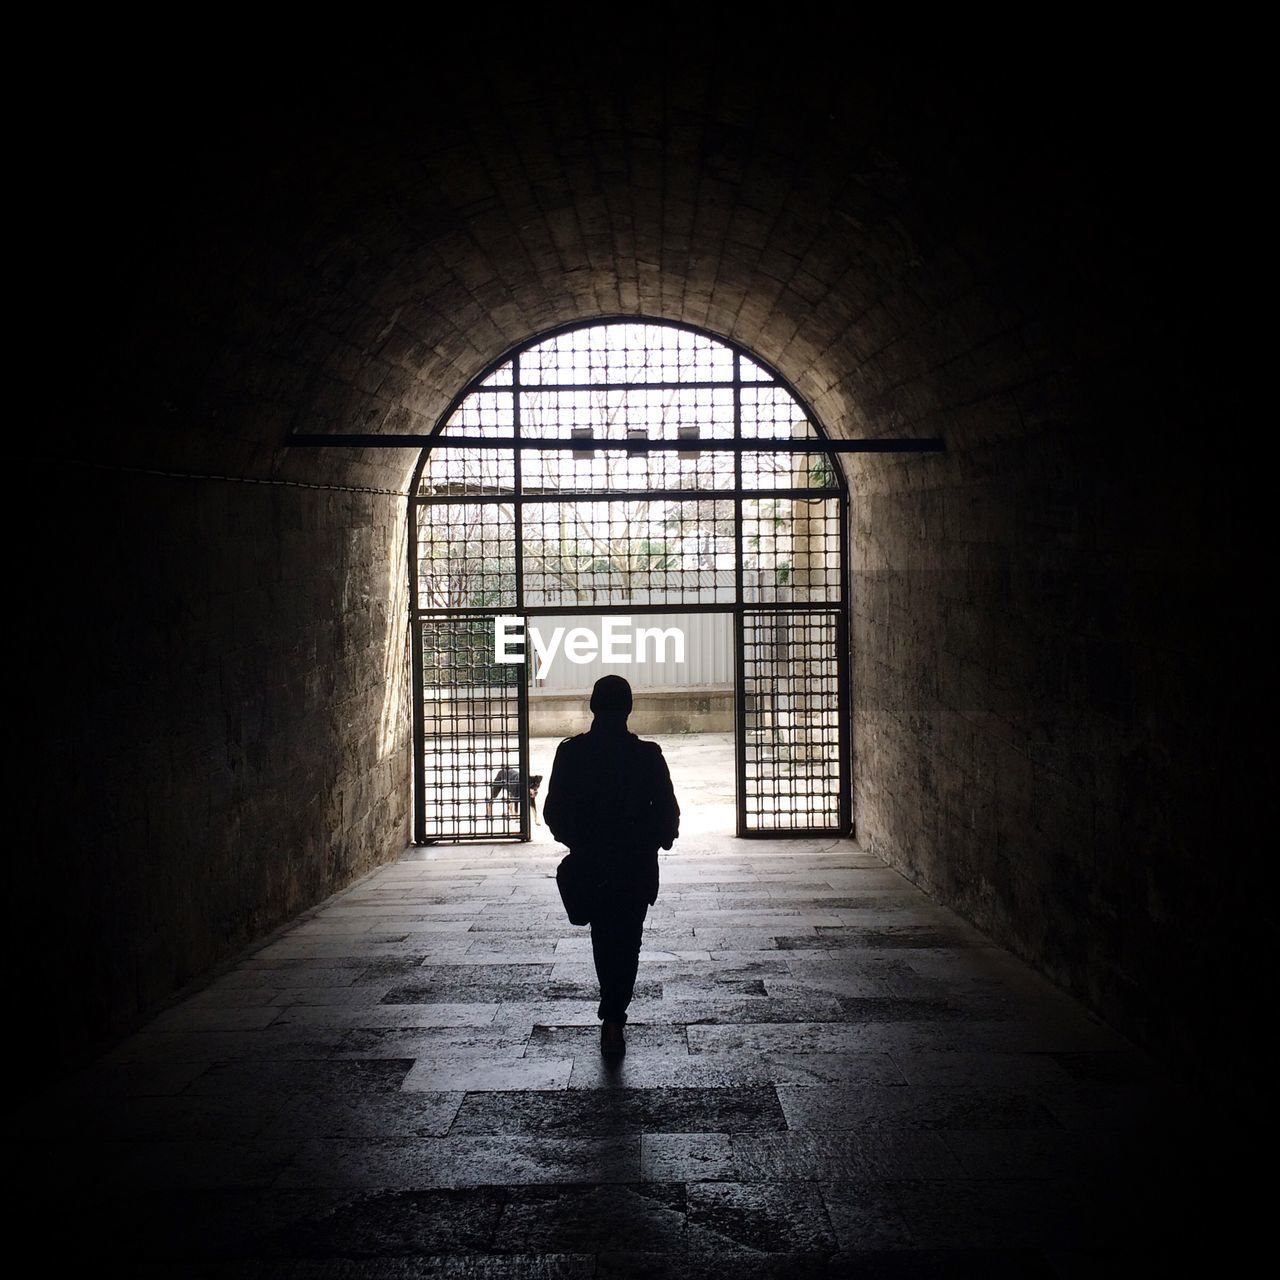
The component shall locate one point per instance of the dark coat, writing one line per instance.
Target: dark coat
(610, 800)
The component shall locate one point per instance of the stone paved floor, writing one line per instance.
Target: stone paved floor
(827, 1075)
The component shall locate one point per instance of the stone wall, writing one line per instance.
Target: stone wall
(228, 733)
(1052, 641)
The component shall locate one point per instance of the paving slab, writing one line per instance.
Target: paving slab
(461, 1161)
(869, 1107)
(730, 1218)
(667, 1041)
(640, 1217)
(745, 1109)
(488, 1071)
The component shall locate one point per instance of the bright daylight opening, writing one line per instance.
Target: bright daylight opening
(640, 499)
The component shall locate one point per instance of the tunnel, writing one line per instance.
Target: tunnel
(253, 279)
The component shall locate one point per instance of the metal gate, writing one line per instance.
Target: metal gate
(630, 468)
(791, 717)
(474, 745)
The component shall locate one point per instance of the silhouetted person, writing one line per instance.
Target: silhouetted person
(610, 800)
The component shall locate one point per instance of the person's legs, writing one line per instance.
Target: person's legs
(615, 942)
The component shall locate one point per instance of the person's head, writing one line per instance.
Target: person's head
(611, 698)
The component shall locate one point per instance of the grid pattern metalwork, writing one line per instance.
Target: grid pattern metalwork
(642, 413)
(627, 352)
(472, 757)
(469, 473)
(790, 688)
(643, 552)
(466, 557)
(512, 528)
(792, 550)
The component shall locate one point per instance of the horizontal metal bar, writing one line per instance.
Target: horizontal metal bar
(823, 608)
(699, 384)
(617, 495)
(881, 444)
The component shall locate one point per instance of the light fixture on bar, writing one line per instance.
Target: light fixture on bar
(636, 433)
(689, 431)
(582, 433)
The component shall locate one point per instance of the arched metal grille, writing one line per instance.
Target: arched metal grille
(630, 467)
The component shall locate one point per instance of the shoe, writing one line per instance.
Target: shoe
(612, 1045)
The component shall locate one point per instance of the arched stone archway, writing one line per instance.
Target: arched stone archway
(640, 468)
